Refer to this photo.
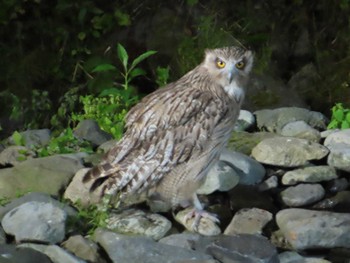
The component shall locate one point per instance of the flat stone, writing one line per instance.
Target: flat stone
(250, 171)
(143, 249)
(13, 254)
(339, 156)
(340, 136)
(36, 221)
(288, 151)
(302, 130)
(138, 222)
(308, 229)
(48, 175)
(248, 221)
(310, 174)
(54, 252)
(243, 248)
(13, 155)
(82, 248)
(302, 194)
(221, 177)
(184, 240)
(34, 138)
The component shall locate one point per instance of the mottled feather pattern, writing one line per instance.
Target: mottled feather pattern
(177, 131)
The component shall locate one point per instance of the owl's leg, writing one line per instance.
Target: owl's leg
(198, 212)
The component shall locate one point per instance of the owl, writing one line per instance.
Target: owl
(175, 135)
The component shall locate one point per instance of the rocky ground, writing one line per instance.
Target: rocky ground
(281, 191)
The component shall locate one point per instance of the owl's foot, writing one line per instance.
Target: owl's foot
(198, 214)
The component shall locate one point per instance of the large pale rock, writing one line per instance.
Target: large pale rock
(340, 136)
(302, 130)
(339, 156)
(245, 120)
(47, 175)
(308, 229)
(36, 221)
(311, 174)
(288, 151)
(126, 249)
(137, 222)
(302, 194)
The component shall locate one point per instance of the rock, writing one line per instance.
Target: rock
(288, 151)
(143, 249)
(77, 191)
(269, 183)
(184, 240)
(90, 131)
(34, 138)
(294, 257)
(106, 146)
(275, 120)
(326, 133)
(302, 130)
(221, 177)
(207, 227)
(38, 197)
(13, 155)
(340, 201)
(13, 254)
(244, 142)
(82, 248)
(302, 194)
(337, 185)
(308, 229)
(250, 172)
(47, 175)
(248, 221)
(54, 252)
(137, 222)
(339, 136)
(311, 174)
(36, 221)
(245, 120)
(243, 248)
(339, 156)
(2, 237)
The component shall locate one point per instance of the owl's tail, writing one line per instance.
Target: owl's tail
(99, 174)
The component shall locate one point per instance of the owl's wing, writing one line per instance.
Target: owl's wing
(167, 128)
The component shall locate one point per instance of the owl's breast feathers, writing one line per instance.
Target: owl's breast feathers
(172, 126)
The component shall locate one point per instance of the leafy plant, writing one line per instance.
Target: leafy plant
(18, 139)
(162, 76)
(340, 117)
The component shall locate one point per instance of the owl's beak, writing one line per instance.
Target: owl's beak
(231, 75)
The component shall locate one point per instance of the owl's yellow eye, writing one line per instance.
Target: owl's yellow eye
(240, 64)
(220, 63)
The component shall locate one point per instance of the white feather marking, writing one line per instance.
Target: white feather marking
(235, 92)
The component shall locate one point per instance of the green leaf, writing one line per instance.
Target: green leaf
(141, 58)
(104, 68)
(333, 124)
(136, 72)
(18, 138)
(345, 125)
(339, 114)
(123, 55)
(347, 117)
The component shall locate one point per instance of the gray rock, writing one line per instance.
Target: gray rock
(90, 131)
(326, 133)
(38, 197)
(339, 156)
(36, 221)
(143, 249)
(288, 151)
(338, 185)
(302, 130)
(13, 254)
(307, 229)
(245, 120)
(269, 183)
(341, 199)
(302, 194)
(207, 226)
(294, 257)
(250, 172)
(137, 222)
(243, 248)
(339, 136)
(54, 252)
(82, 248)
(184, 240)
(13, 155)
(311, 174)
(248, 221)
(2, 237)
(35, 138)
(47, 175)
(221, 177)
(275, 120)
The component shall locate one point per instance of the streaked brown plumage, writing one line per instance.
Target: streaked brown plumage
(175, 134)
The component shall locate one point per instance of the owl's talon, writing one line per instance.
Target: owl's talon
(198, 215)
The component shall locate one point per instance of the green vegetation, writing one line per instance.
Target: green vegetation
(340, 117)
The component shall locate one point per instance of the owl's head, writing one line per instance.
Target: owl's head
(230, 68)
